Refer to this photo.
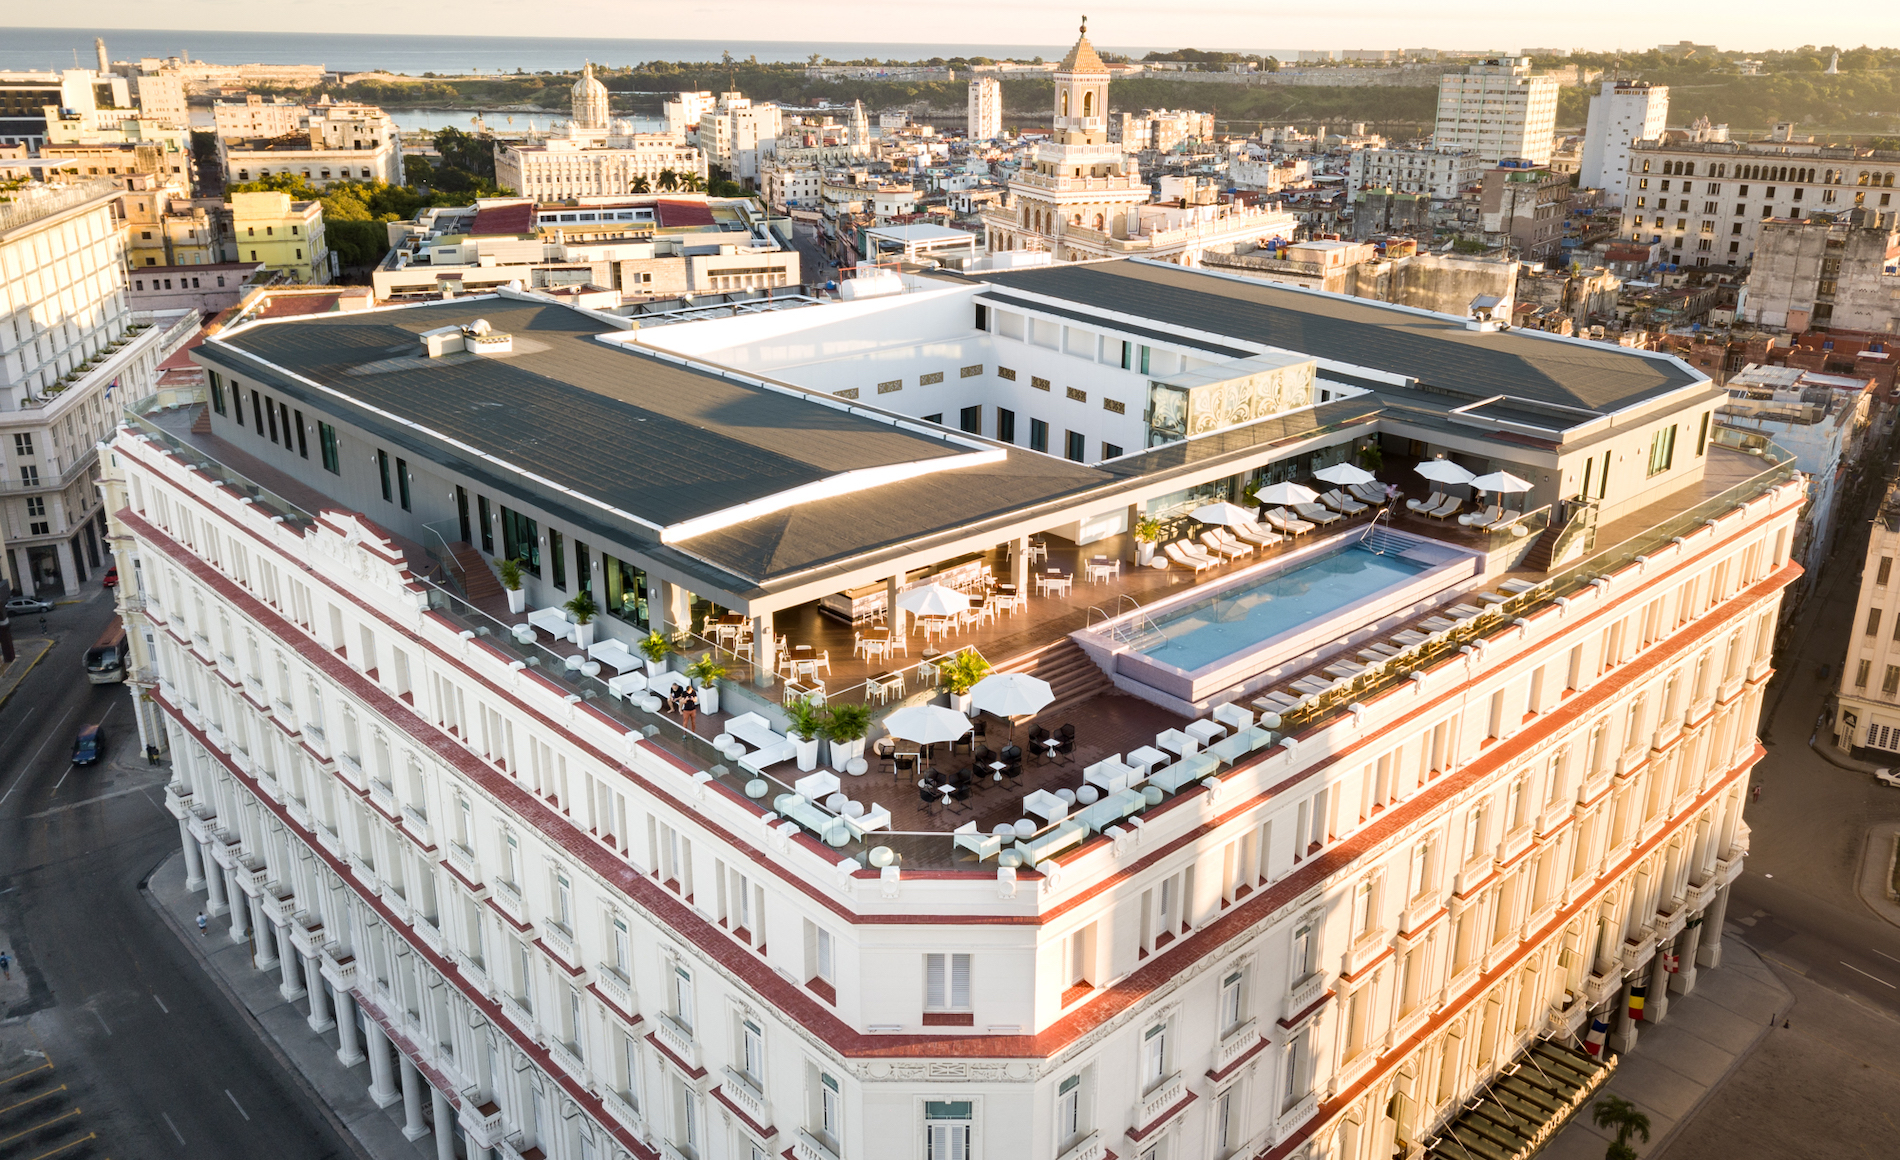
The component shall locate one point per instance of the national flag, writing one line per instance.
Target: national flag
(1599, 1030)
(1671, 963)
(1638, 992)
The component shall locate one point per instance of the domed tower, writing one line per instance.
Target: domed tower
(1082, 95)
(590, 104)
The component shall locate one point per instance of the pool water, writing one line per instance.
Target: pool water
(1199, 633)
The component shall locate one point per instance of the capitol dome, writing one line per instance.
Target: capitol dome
(590, 103)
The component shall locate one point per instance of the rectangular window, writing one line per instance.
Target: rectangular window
(1230, 1002)
(257, 411)
(303, 442)
(217, 393)
(1005, 426)
(521, 540)
(1884, 572)
(1860, 674)
(557, 548)
(947, 1125)
(1662, 450)
(284, 410)
(1038, 435)
(382, 469)
(947, 982)
(971, 419)
(1891, 683)
(488, 527)
(1111, 451)
(237, 401)
(1077, 446)
(326, 444)
(270, 412)
(1154, 1055)
(1702, 437)
(402, 484)
(1873, 621)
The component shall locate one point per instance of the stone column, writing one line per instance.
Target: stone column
(349, 1052)
(1623, 1028)
(214, 885)
(764, 650)
(288, 960)
(1019, 564)
(413, 1127)
(382, 1085)
(1657, 1005)
(1709, 953)
(68, 567)
(194, 857)
(320, 1020)
(896, 620)
(240, 913)
(1687, 944)
(444, 1125)
(264, 947)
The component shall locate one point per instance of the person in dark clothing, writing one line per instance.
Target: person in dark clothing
(689, 707)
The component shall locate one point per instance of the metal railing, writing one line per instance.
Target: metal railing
(1129, 630)
(437, 545)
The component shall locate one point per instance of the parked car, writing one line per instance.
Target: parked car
(24, 605)
(1888, 777)
(112, 577)
(89, 746)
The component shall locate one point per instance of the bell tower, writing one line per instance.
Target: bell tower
(1081, 112)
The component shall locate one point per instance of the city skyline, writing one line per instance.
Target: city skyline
(1750, 25)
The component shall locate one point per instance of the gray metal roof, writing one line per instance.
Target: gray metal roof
(1434, 349)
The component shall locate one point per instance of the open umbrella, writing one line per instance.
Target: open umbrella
(927, 724)
(932, 600)
(1443, 471)
(1224, 513)
(1345, 475)
(1275, 494)
(1011, 695)
(1500, 481)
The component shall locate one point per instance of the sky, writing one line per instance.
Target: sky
(1239, 25)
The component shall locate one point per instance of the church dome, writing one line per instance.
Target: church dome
(589, 86)
(590, 103)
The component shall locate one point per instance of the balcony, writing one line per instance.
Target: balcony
(746, 1097)
(462, 859)
(350, 770)
(677, 1038)
(482, 1123)
(1236, 1043)
(417, 824)
(617, 989)
(519, 1015)
(178, 800)
(806, 1146)
(567, 1057)
(1088, 1147)
(621, 1110)
(560, 943)
(1305, 993)
(1160, 1098)
(507, 896)
(339, 966)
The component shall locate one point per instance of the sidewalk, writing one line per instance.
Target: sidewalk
(1679, 1063)
(27, 651)
(342, 1093)
(1876, 861)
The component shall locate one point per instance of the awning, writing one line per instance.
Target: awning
(1517, 1113)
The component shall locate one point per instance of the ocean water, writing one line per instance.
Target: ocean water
(42, 48)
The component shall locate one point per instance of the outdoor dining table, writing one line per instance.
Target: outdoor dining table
(1100, 569)
(1177, 742)
(1050, 745)
(999, 767)
(1054, 583)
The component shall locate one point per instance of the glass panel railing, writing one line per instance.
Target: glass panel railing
(271, 502)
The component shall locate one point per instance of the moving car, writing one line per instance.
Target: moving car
(89, 746)
(112, 577)
(22, 605)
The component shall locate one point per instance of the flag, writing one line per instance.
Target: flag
(1638, 992)
(1599, 1030)
(1671, 963)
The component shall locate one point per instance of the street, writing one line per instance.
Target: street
(115, 1042)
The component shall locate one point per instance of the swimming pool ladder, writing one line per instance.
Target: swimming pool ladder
(1375, 543)
(1130, 630)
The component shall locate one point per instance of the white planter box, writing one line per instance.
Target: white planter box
(584, 634)
(1144, 553)
(517, 600)
(959, 701)
(807, 752)
(655, 668)
(842, 752)
(708, 697)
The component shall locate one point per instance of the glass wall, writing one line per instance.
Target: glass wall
(626, 590)
(521, 540)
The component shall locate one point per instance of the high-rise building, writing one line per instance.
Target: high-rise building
(1494, 803)
(986, 108)
(1498, 110)
(730, 134)
(1623, 113)
(72, 356)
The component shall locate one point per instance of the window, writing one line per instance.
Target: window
(947, 1129)
(752, 1052)
(1111, 451)
(1154, 1056)
(1294, 1087)
(257, 411)
(382, 468)
(29, 475)
(947, 982)
(557, 548)
(830, 1111)
(1076, 446)
(682, 997)
(23, 445)
(1305, 948)
(1231, 1001)
(1038, 435)
(1873, 621)
(1860, 675)
(937, 418)
(488, 528)
(1880, 577)
(217, 393)
(521, 540)
(402, 483)
(1068, 1110)
(971, 419)
(1662, 450)
(1891, 684)
(326, 444)
(1005, 426)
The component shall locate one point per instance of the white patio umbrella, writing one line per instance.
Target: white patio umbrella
(932, 600)
(1275, 494)
(927, 724)
(1011, 695)
(1500, 481)
(1345, 475)
(1224, 513)
(1443, 471)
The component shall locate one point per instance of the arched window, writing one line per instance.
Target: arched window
(1098, 223)
(1088, 104)
(1065, 104)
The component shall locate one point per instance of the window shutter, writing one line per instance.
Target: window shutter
(959, 980)
(933, 981)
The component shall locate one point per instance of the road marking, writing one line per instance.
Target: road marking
(63, 777)
(161, 1005)
(88, 1138)
(1875, 978)
(36, 755)
(235, 1104)
(174, 1128)
(102, 1022)
(83, 802)
(1883, 954)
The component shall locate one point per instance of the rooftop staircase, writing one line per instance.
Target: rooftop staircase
(1072, 676)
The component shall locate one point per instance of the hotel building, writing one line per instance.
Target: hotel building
(1326, 885)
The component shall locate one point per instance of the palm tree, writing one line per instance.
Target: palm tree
(1611, 1112)
(692, 183)
(641, 185)
(669, 179)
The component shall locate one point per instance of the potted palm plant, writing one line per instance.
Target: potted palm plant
(846, 727)
(959, 675)
(1147, 532)
(806, 722)
(706, 673)
(510, 569)
(583, 609)
(654, 648)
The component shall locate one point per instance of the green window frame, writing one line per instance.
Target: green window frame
(217, 392)
(521, 540)
(1662, 450)
(326, 442)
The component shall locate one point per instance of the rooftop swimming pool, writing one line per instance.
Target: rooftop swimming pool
(1192, 636)
(1234, 635)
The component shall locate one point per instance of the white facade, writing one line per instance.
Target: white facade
(731, 131)
(1428, 171)
(1498, 111)
(257, 117)
(1623, 113)
(329, 143)
(986, 109)
(567, 167)
(790, 186)
(1869, 714)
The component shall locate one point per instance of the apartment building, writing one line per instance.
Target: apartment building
(1624, 113)
(1497, 110)
(285, 235)
(72, 354)
(1433, 173)
(579, 167)
(731, 134)
(576, 928)
(1525, 206)
(1826, 270)
(986, 109)
(1868, 720)
(1706, 200)
(330, 143)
